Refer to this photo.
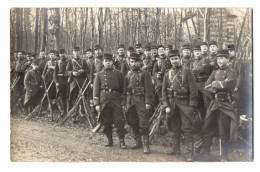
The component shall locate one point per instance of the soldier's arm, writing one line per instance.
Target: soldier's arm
(208, 83)
(96, 90)
(206, 66)
(228, 83)
(240, 74)
(164, 91)
(155, 69)
(92, 71)
(27, 79)
(55, 73)
(121, 82)
(123, 68)
(69, 69)
(193, 88)
(124, 95)
(148, 88)
(45, 70)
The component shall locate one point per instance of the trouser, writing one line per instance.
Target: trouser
(113, 114)
(62, 97)
(138, 119)
(218, 122)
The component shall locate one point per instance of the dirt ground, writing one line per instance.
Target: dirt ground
(40, 140)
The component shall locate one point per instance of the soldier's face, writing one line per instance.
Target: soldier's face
(75, 53)
(129, 53)
(139, 50)
(98, 52)
(232, 53)
(35, 67)
(161, 51)
(154, 52)
(204, 48)
(19, 55)
(134, 64)
(107, 63)
(222, 62)
(167, 50)
(52, 56)
(197, 54)
(175, 61)
(15, 55)
(186, 52)
(89, 54)
(121, 51)
(147, 53)
(42, 54)
(213, 48)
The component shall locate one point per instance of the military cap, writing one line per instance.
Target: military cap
(138, 45)
(120, 46)
(160, 46)
(213, 43)
(76, 49)
(223, 53)
(185, 46)
(173, 53)
(97, 47)
(130, 49)
(231, 47)
(135, 56)
(62, 51)
(20, 51)
(154, 47)
(147, 47)
(197, 47)
(52, 51)
(108, 56)
(203, 43)
(168, 46)
(88, 50)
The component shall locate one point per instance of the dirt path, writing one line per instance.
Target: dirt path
(41, 141)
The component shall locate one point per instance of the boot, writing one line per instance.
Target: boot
(122, 142)
(138, 143)
(224, 154)
(176, 145)
(145, 140)
(189, 146)
(109, 140)
(205, 154)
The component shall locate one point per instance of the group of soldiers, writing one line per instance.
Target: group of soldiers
(200, 82)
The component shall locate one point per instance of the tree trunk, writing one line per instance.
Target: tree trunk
(57, 33)
(36, 30)
(45, 27)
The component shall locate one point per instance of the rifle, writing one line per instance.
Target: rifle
(49, 101)
(156, 125)
(39, 107)
(15, 82)
(72, 111)
(97, 127)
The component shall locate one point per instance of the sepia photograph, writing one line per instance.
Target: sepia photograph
(147, 84)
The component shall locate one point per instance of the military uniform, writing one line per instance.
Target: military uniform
(120, 64)
(97, 66)
(179, 92)
(61, 79)
(220, 115)
(147, 65)
(137, 93)
(107, 92)
(33, 89)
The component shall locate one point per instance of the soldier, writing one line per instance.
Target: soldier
(204, 50)
(33, 86)
(108, 89)
(139, 50)
(220, 115)
(98, 64)
(120, 59)
(137, 102)
(213, 48)
(77, 71)
(161, 66)
(237, 65)
(61, 82)
(47, 76)
(90, 59)
(147, 64)
(168, 48)
(154, 54)
(179, 97)
(129, 51)
(186, 55)
(42, 60)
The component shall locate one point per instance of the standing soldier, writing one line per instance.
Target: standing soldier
(139, 50)
(161, 66)
(147, 64)
(77, 72)
(42, 60)
(213, 49)
(108, 89)
(154, 54)
(186, 55)
(137, 102)
(120, 59)
(220, 117)
(61, 81)
(237, 65)
(129, 51)
(179, 97)
(204, 50)
(168, 48)
(98, 64)
(47, 76)
(33, 86)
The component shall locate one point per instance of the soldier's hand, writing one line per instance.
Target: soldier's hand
(43, 77)
(212, 63)
(98, 109)
(57, 84)
(91, 85)
(236, 89)
(158, 75)
(168, 110)
(75, 73)
(147, 106)
(81, 70)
